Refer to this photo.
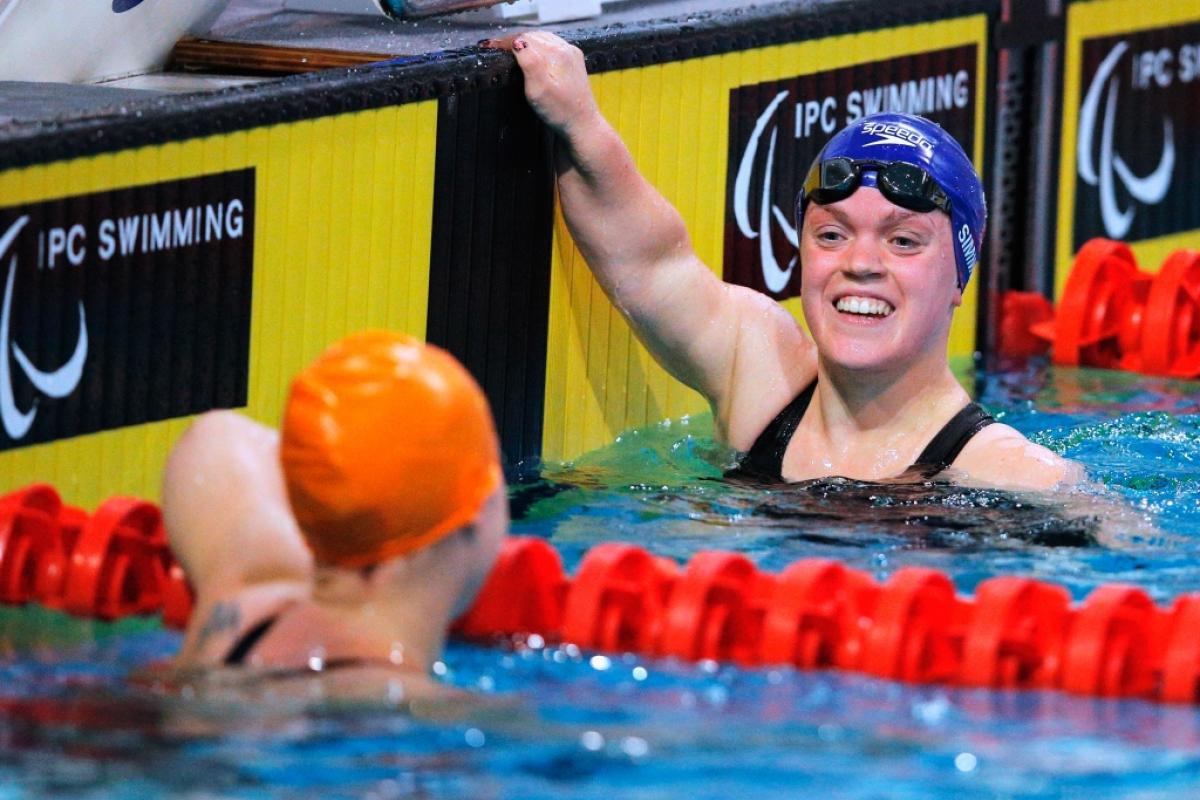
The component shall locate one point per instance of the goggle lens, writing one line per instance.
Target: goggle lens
(906, 185)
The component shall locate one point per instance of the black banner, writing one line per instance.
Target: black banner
(777, 128)
(125, 306)
(1138, 136)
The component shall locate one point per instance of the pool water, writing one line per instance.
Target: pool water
(578, 724)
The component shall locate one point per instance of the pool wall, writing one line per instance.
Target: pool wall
(459, 240)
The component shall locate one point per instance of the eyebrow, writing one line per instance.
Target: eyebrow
(894, 217)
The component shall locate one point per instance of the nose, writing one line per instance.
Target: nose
(863, 259)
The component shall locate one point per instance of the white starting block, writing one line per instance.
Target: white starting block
(534, 12)
(540, 12)
(86, 41)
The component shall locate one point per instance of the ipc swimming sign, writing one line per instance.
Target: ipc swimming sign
(125, 306)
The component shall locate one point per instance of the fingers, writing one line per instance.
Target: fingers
(555, 76)
(543, 42)
(506, 43)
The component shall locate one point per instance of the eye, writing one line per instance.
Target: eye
(828, 235)
(905, 242)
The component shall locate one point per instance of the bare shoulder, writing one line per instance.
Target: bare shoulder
(218, 623)
(1000, 456)
(774, 359)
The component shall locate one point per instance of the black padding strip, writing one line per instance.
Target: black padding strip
(489, 270)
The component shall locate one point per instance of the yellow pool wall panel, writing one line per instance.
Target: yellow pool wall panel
(342, 227)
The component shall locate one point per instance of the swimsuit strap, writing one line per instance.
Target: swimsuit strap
(764, 461)
(952, 438)
(242, 647)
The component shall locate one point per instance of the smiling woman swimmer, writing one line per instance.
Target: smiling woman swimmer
(891, 215)
(339, 550)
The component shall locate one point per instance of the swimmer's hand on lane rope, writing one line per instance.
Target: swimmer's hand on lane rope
(556, 81)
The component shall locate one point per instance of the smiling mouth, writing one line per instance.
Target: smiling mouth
(864, 306)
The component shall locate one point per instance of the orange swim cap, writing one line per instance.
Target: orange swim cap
(387, 446)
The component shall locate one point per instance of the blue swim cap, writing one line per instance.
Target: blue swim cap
(909, 139)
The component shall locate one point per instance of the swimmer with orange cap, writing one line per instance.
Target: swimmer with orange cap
(346, 543)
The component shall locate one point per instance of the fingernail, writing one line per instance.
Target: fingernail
(519, 44)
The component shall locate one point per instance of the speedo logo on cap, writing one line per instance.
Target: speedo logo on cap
(891, 133)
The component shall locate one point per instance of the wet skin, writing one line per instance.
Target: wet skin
(865, 247)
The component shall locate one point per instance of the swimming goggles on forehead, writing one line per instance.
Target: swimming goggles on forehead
(904, 184)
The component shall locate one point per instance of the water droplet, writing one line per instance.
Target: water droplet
(634, 746)
(592, 741)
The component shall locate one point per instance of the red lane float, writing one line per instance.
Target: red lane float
(1111, 646)
(1113, 315)
(106, 565)
(524, 594)
(1015, 633)
(916, 632)
(1171, 343)
(116, 567)
(706, 610)
(1181, 661)
(818, 615)
(32, 558)
(618, 599)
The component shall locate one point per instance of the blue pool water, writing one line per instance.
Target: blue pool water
(564, 723)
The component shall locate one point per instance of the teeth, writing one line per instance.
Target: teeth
(864, 305)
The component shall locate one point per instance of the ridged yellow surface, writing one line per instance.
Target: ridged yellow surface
(1093, 21)
(343, 216)
(674, 117)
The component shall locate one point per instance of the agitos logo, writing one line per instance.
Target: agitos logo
(1105, 167)
(57, 383)
(776, 129)
(761, 229)
(125, 307)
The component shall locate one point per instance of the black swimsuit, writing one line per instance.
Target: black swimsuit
(764, 461)
(242, 647)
